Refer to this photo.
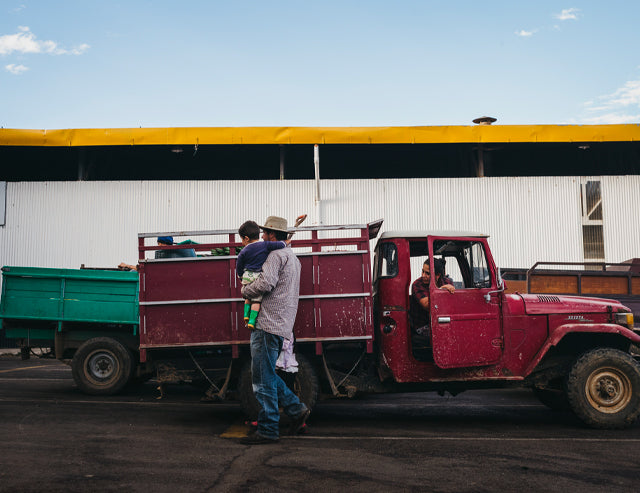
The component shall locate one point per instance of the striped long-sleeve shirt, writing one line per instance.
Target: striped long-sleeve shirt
(279, 285)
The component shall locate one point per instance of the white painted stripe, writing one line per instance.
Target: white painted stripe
(159, 402)
(477, 439)
(182, 302)
(226, 300)
(41, 379)
(343, 295)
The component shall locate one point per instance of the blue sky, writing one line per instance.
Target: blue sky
(103, 64)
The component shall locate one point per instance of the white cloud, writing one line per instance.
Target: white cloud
(79, 50)
(612, 119)
(565, 14)
(568, 14)
(22, 42)
(18, 9)
(615, 107)
(25, 42)
(627, 95)
(16, 69)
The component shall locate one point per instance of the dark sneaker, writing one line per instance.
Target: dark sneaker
(298, 422)
(253, 426)
(256, 439)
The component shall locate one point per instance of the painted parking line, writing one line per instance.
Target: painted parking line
(40, 379)
(150, 403)
(23, 368)
(239, 431)
(475, 439)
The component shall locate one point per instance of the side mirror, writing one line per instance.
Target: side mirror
(501, 287)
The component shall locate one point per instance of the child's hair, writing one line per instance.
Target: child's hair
(249, 229)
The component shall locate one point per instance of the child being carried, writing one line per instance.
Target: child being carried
(249, 264)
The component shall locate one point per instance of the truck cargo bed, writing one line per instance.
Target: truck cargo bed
(38, 301)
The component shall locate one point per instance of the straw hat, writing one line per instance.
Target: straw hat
(275, 223)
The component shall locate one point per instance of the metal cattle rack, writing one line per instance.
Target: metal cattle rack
(196, 302)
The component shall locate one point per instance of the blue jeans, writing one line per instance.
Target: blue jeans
(268, 387)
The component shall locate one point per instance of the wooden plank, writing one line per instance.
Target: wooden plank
(515, 286)
(635, 285)
(605, 285)
(554, 284)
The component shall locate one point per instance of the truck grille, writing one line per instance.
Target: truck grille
(548, 299)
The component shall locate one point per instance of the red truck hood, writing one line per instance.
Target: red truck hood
(537, 304)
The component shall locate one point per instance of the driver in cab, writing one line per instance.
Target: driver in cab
(420, 300)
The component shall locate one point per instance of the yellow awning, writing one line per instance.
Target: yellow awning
(320, 135)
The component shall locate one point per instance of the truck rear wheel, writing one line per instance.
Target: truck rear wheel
(101, 366)
(304, 384)
(603, 388)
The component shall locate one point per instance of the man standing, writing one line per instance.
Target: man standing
(279, 285)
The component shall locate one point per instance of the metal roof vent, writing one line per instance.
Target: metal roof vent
(485, 120)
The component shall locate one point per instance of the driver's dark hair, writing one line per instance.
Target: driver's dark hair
(280, 235)
(438, 265)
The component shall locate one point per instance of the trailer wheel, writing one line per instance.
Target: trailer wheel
(603, 388)
(101, 366)
(304, 384)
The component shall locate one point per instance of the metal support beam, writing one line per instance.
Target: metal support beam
(283, 152)
(82, 164)
(316, 166)
(480, 163)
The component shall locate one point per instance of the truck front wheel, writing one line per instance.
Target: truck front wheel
(603, 388)
(304, 384)
(101, 366)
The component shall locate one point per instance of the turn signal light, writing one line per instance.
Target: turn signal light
(625, 319)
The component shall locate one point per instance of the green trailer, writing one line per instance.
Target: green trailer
(67, 309)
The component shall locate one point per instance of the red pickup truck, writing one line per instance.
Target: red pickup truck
(353, 329)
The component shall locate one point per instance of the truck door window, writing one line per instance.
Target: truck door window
(477, 260)
(388, 260)
(453, 271)
(466, 263)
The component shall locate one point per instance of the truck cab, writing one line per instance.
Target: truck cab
(575, 347)
(466, 327)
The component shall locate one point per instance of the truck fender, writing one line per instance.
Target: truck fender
(561, 331)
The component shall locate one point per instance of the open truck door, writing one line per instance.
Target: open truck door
(466, 326)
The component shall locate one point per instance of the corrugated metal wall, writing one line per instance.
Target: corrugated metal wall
(66, 224)
(621, 217)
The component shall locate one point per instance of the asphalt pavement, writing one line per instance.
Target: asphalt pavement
(54, 438)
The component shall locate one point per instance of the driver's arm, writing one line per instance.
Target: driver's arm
(424, 303)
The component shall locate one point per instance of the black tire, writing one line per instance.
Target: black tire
(304, 384)
(603, 389)
(554, 399)
(102, 366)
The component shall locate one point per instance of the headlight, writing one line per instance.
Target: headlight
(625, 319)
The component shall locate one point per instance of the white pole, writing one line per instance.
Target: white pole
(316, 165)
